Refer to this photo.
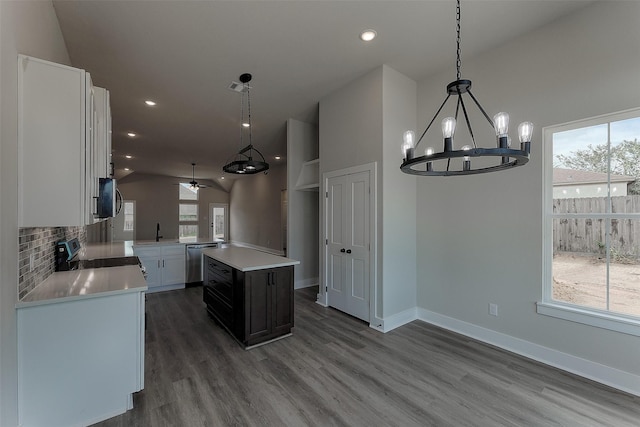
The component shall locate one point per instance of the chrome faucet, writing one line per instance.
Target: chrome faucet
(158, 236)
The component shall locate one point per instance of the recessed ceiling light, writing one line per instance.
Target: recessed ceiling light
(368, 35)
(150, 103)
(222, 177)
(277, 157)
(127, 169)
(246, 125)
(128, 156)
(131, 134)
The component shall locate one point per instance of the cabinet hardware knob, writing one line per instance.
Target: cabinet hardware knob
(342, 250)
(348, 251)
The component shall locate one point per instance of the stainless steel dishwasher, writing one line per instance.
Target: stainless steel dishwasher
(194, 261)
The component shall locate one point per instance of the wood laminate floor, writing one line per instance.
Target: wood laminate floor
(336, 371)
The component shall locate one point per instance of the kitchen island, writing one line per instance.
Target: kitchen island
(81, 346)
(249, 293)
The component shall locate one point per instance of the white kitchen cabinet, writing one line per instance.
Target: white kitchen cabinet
(165, 266)
(102, 157)
(80, 359)
(57, 121)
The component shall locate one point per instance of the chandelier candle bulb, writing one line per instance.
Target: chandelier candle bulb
(466, 159)
(429, 152)
(525, 131)
(409, 144)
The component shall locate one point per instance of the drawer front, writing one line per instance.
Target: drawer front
(223, 271)
(222, 311)
(222, 290)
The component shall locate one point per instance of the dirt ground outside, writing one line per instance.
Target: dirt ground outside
(582, 280)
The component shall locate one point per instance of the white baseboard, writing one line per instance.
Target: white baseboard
(612, 377)
(256, 247)
(395, 321)
(306, 283)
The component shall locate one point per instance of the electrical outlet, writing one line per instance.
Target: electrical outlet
(32, 261)
(493, 309)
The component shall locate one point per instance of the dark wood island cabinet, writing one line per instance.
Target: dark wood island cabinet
(254, 302)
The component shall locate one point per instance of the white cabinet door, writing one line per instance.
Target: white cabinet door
(164, 264)
(79, 361)
(173, 265)
(52, 124)
(103, 133)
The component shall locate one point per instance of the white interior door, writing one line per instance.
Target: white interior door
(348, 243)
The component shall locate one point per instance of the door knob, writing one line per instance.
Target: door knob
(342, 250)
(348, 251)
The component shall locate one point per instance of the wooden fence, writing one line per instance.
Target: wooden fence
(587, 235)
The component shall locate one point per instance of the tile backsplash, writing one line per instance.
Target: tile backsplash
(40, 242)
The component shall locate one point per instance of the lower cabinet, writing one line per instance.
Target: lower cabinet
(165, 266)
(80, 360)
(254, 306)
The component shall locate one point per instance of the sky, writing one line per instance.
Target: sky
(570, 141)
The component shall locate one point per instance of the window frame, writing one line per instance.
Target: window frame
(619, 322)
(193, 202)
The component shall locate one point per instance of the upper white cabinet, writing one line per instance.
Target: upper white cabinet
(102, 135)
(58, 126)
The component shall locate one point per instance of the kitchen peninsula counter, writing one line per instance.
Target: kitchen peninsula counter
(64, 286)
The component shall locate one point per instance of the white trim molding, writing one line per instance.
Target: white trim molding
(395, 321)
(592, 317)
(621, 380)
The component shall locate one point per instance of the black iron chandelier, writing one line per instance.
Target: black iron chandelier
(440, 163)
(248, 160)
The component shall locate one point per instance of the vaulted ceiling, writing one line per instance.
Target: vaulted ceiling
(185, 54)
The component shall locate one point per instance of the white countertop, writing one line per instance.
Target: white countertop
(245, 259)
(125, 249)
(64, 286)
(106, 250)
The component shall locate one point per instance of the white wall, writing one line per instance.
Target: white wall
(480, 237)
(303, 206)
(255, 208)
(30, 28)
(157, 201)
(399, 110)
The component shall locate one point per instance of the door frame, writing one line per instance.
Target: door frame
(372, 168)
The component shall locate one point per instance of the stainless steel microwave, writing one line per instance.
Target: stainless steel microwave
(107, 195)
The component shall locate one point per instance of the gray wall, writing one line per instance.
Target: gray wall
(157, 201)
(30, 28)
(303, 206)
(480, 238)
(361, 123)
(255, 217)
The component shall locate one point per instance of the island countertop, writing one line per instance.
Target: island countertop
(245, 259)
(64, 286)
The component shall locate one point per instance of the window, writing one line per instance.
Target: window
(187, 212)
(592, 221)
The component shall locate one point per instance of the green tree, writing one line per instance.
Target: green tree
(625, 160)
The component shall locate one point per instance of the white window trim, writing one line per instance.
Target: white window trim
(547, 306)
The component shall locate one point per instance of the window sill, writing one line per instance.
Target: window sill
(599, 319)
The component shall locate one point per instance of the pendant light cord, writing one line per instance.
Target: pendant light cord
(458, 61)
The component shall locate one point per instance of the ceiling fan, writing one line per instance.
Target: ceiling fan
(193, 184)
